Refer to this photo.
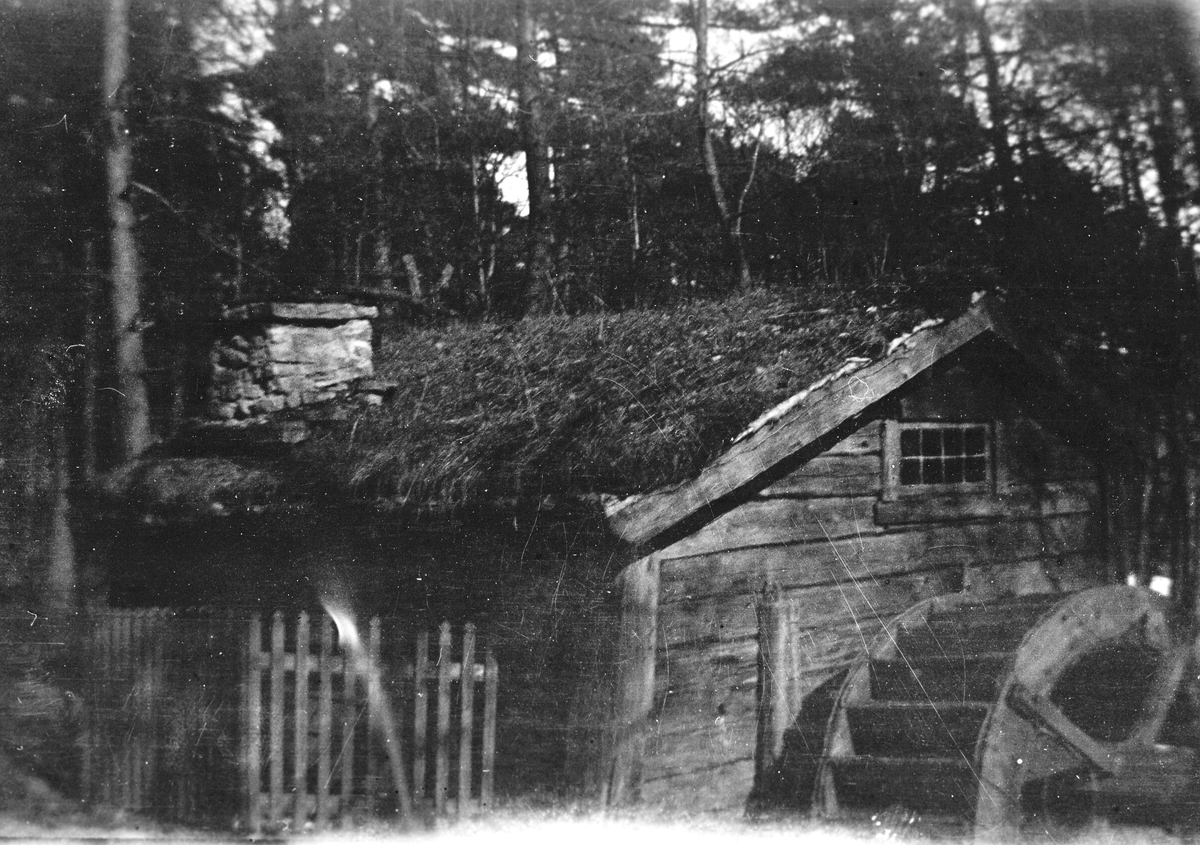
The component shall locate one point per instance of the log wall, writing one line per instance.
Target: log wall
(822, 553)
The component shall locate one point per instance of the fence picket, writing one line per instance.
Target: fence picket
(276, 718)
(300, 749)
(466, 718)
(324, 721)
(144, 663)
(125, 652)
(349, 722)
(252, 729)
(133, 707)
(373, 718)
(491, 682)
(420, 712)
(442, 770)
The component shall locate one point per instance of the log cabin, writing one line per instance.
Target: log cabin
(956, 461)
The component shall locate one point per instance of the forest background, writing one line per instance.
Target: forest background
(474, 163)
(694, 184)
(489, 160)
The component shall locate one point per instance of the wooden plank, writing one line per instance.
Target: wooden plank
(87, 734)
(324, 723)
(866, 440)
(635, 650)
(643, 518)
(374, 695)
(719, 788)
(275, 755)
(350, 715)
(252, 726)
(699, 744)
(420, 712)
(491, 682)
(300, 746)
(916, 728)
(137, 708)
(466, 719)
(731, 617)
(128, 675)
(778, 708)
(441, 752)
(770, 521)
(162, 691)
(105, 780)
(934, 784)
(831, 475)
(879, 556)
(691, 677)
(1017, 501)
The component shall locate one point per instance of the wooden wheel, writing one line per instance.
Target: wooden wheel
(1017, 715)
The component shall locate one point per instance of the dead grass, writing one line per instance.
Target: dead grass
(601, 403)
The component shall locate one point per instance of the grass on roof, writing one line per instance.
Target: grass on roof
(564, 406)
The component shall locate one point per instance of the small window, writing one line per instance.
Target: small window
(939, 455)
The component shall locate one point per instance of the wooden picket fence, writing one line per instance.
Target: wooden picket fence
(268, 724)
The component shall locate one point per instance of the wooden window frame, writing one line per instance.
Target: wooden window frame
(893, 489)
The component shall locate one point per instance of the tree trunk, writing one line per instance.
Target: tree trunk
(997, 112)
(542, 297)
(731, 232)
(133, 415)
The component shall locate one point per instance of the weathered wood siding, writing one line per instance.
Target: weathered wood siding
(828, 557)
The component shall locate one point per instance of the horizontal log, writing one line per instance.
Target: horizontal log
(808, 564)
(718, 788)
(698, 744)
(831, 475)
(1018, 500)
(730, 617)
(696, 677)
(680, 669)
(767, 521)
(705, 689)
(868, 439)
(1043, 573)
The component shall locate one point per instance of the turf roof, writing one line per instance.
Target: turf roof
(565, 407)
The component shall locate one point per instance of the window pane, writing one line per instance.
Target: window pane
(931, 441)
(975, 441)
(943, 454)
(976, 469)
(954, 441)
(932, 472)
(954, 470)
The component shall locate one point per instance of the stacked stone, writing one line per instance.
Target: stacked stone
(276, 355)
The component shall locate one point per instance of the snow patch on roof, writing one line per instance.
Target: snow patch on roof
(851, 365)
(904, 339)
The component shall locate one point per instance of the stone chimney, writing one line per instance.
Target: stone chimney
(271, 356)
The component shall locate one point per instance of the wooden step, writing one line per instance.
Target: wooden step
(939, 678)
(1027, 609)
(942, 785)
(917, 729)
(959, 637)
